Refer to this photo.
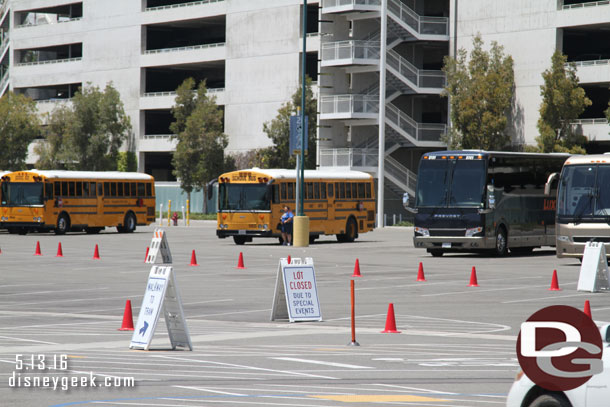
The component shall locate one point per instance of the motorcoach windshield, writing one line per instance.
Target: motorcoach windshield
(451, 183)
(584, 192)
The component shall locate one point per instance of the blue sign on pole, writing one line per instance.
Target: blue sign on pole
(295, 133)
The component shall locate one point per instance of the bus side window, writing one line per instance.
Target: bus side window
(141, 189)
(330, 190)
(361, 190)
(57, 188)
(106, 189)
(79, 188)
(316, 190)
(48, 190)
(290, 193)
(99, 189)
(323, 190)
(134, 190)
(368, 190)
(113, 189)
(71, 188)
(341, 190)
(149, 189)
(64, 188)
(85, 188)
(309, 194)
(348, 190)
(275, 193)
(119, 188)
(283, 191)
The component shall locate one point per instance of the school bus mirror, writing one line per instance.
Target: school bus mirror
(210, 187)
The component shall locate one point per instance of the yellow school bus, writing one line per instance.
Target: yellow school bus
(250, 203)
(76, 200)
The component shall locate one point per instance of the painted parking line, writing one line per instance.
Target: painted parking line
(378, 398)
(319, 362)
(210, 390)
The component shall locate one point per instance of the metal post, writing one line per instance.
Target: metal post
(303, 89)
(353, 314)
(382, 74)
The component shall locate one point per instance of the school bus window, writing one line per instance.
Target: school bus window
(368, 190)
(57, 188)
(290, 193)
(340, 190)
(85, 189)
(99, 189)
(91, 188)
(48, 190)
(323, 190)
(148, 189)
(71, 188)
(348, 190)
(283, 191)
(79, 189)
(316, 190)
(119, 191)
(113, 189)
(276, 193)
(330, 190)
(309, 194)
(141, 189)
(64, 188)
(361, 193)
(134, 189)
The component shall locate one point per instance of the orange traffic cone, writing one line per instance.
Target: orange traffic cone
(420, 272)
(96, 253)
(193, 259)
(127, 318)
(38, 252)
(473, 278)
(554, 282)
(587, 309)
(146, 256)
(240, 262)
(357, 269)
(289, 259)
(390, 322)
(60, 252)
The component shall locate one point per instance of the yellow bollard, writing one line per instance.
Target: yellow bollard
(169, 211)
(188, 213)
(300, 231)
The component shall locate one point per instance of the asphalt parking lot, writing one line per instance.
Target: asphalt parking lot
(456, 348)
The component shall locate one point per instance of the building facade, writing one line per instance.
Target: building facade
(377, 65)
(249, 52)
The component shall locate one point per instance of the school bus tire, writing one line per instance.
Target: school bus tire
(129, 224)
(63, 224)
(240, 240)
(351, 231)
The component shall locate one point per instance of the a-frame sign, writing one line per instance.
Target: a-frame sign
(594, 274)
(161, 295)
(296, 293)
(158, 245)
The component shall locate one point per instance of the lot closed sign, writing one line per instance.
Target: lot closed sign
(296, 293)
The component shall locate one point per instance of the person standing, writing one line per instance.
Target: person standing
(286, 221)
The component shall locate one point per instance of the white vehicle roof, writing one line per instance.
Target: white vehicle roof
(588, 159)
(97, 175)
(310, 174)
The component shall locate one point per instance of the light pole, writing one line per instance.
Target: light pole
(301, 222)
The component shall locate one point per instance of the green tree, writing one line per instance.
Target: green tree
(19, 126)
(198, 127)
(127, 161)
(278, 130)
(563, 100)
(480, 91)
(87, 133)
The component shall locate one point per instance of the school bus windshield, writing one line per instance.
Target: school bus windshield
(22, 193)
(243, 197)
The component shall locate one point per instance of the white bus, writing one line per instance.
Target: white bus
(583, 204)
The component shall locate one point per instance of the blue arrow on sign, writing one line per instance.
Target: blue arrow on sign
(144, 328)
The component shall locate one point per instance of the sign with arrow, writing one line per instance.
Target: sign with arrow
(161, 294)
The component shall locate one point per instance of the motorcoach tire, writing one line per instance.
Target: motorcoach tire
(501, 248)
